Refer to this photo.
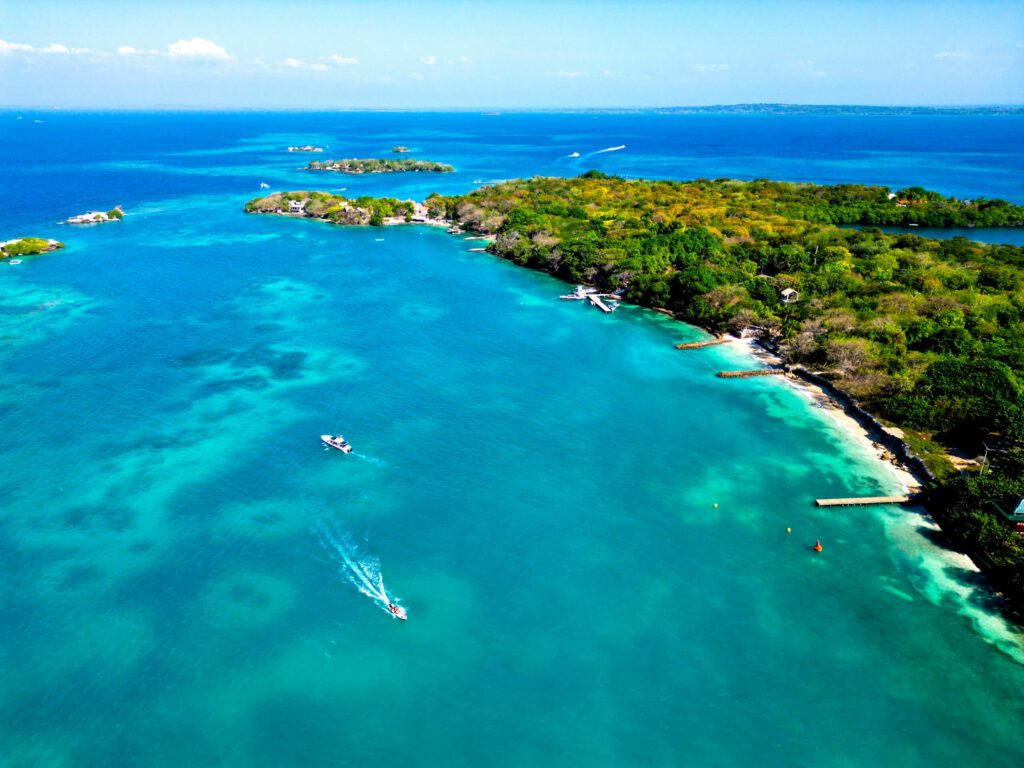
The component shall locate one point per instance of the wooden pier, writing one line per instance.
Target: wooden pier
(596, 301)
(748, 374)
(863, 501)
(702, 344)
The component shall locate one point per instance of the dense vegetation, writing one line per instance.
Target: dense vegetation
(28, 246)
(334, 208)
(927, 334)
(377, 165)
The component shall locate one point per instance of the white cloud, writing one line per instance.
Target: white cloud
(712, 67)
(293, 63)
(416, 75)
(428, 60)
(197, 48)
(951, 55)
(564, 73)
(55, 48)
(340, 60)
(127, 50)
(6, 47)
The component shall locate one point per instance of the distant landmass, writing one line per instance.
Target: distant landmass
(805, 109)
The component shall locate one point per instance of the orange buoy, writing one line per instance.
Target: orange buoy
(817, 546)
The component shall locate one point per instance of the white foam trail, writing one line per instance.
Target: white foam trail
(361, 571)
(606, 149)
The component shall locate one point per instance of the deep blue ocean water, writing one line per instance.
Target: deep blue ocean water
(539, 481)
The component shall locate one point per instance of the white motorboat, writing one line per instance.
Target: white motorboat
(337, 441)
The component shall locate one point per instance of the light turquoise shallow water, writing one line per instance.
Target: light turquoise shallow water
(537, 479)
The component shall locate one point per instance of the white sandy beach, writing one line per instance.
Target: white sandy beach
(909, 482)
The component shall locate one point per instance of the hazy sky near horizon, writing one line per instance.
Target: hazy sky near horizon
(557, 53)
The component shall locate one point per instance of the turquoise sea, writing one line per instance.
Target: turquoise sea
(588, 529)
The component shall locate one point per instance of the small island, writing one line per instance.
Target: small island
(362, 211)
(27, 246)
(306, 148)
(378, 165)
(401, 148)
(97, 217)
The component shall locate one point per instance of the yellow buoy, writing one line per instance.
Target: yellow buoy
(716, 506)
(789, 530)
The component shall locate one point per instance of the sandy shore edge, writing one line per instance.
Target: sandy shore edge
(837, 411)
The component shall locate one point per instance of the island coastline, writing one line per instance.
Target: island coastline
(887, 443)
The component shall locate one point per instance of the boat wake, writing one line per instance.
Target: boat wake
(361, 571)
(606, 149)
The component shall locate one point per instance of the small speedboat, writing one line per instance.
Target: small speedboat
(14, 261)
(337, 441)
(579, 293)
(398, 612)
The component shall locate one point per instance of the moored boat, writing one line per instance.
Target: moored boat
(579, 293)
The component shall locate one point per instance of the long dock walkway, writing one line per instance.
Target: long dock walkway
(748, 374)
(702, 344)
(596, 301)
(863, 500)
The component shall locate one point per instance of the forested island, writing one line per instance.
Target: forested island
(379, 165)
(27, 246)
(360, 211)
(927, 335)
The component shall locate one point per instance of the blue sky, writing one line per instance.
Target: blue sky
(422, 54)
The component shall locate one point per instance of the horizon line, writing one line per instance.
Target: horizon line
(518, 109)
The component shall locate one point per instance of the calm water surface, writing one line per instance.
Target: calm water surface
(538, 481)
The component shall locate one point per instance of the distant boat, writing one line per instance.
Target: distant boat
(337, 441)
(575, 154)
(264, 185)
(14, 261)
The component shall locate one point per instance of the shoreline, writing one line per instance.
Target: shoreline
(912, 529)
(909, 481)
